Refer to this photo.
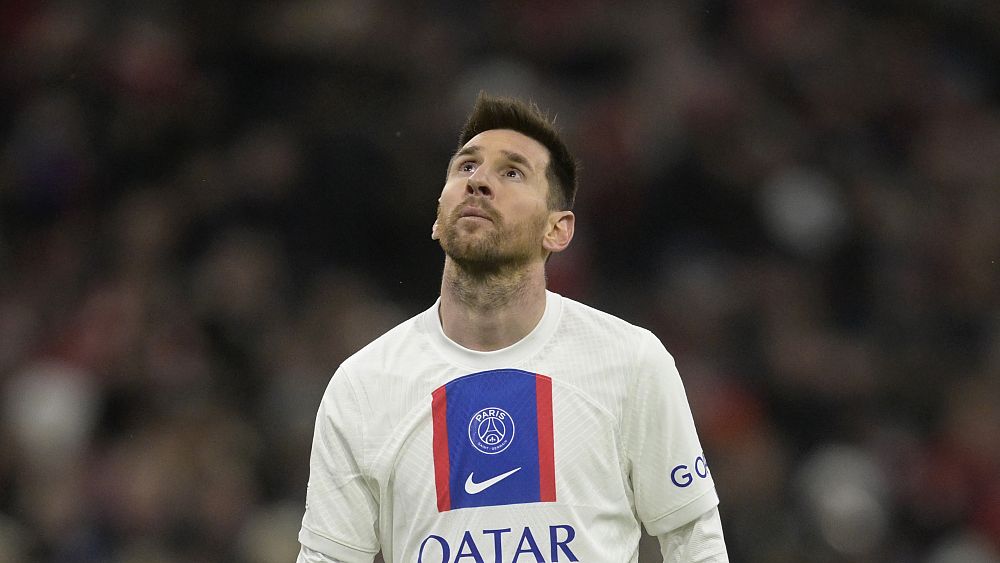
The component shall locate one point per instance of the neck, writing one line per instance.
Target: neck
(490, 311)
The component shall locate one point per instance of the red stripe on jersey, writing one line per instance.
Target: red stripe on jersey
(546, 449)
(439, 412)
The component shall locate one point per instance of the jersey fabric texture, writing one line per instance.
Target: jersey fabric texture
(552, 449)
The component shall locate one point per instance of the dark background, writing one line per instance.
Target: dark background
(206, 206)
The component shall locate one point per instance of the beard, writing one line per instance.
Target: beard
(489, 249)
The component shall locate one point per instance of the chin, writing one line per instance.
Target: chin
(482, 251)
(473, 254)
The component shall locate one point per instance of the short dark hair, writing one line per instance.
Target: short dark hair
(495, 112)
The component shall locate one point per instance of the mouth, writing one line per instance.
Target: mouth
(473, 212)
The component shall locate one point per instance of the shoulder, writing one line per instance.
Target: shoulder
(586, 319)
(393, 347)
(641, 356)
(363, 379)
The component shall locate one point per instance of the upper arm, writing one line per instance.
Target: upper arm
(670, 478)
(341, 508)
(700, 540)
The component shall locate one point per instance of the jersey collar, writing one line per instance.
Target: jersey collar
(514, 355)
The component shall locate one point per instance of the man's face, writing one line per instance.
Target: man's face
(493, 209)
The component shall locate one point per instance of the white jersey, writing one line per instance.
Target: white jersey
(550, 450)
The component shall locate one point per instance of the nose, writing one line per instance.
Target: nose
(477, 185)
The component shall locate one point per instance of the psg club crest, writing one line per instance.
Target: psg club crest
(491, 430)
(493, 442)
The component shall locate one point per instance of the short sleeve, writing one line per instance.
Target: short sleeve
(341, 511)
(670, 476)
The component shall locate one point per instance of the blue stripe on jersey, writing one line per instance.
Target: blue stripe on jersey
(492, 420)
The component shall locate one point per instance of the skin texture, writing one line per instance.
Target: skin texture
(497, 230)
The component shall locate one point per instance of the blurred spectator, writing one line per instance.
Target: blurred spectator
(205, 207)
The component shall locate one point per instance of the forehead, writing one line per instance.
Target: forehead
(498, 140)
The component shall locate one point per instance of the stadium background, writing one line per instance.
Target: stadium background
(205, 206)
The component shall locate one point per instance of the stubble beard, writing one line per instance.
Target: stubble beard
(491, 251)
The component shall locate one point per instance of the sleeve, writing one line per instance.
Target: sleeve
(670, 477)
(700, 541)
(341, 509)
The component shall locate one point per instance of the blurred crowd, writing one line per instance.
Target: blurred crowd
(206, 206)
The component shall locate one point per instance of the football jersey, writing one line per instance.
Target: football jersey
(553, 449)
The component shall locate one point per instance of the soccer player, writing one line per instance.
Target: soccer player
(507, 423)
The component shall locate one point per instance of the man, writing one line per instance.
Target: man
(507, 423)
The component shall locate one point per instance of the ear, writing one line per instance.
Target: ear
(560, 231)
(435, 235)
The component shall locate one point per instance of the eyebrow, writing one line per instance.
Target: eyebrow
(514, 157)
(517, 158)
(471, 149)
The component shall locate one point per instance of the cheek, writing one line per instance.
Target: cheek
(529, 224)
(532, 211)
(451, 194)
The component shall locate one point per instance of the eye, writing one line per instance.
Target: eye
(514, 173)
(466, 166)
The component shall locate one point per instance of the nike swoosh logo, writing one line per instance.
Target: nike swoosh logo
(474, 488)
